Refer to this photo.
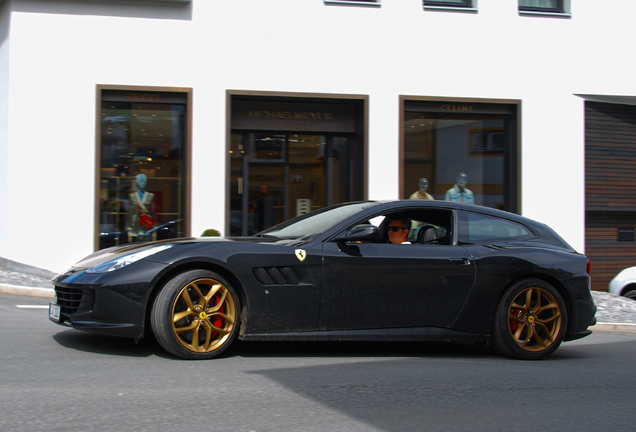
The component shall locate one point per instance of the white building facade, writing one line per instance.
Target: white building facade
(240, 114)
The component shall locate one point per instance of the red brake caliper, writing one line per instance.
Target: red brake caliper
(218, 321)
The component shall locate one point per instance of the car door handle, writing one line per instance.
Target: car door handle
(460, 261)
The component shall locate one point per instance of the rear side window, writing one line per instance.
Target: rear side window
(479, 228)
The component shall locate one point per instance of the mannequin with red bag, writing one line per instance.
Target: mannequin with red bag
(141, 210)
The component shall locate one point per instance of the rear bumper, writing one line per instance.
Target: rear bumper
(575, 336)
(585, 317)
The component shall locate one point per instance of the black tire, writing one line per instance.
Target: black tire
(521, 330)
(196, 315)
(630, 294)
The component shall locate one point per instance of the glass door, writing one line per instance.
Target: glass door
(308, 188)
(266, 180)
(277, 176)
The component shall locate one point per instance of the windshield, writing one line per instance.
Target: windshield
(314, 223)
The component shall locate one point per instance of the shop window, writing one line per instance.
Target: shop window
(545, 6)
(451, 3)
(143, 148)
(462, 152)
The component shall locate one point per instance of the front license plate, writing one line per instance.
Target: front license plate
(54, 312)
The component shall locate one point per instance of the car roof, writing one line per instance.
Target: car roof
(545, 232)
(457, 206)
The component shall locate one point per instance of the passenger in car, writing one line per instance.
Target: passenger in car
(398, 230)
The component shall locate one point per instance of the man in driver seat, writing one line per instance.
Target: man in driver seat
(398, 230)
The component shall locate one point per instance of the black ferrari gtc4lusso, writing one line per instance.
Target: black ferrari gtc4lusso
(465, 273)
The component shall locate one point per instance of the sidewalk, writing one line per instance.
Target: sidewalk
(614, 313)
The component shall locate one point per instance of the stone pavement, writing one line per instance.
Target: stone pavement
(614, 313)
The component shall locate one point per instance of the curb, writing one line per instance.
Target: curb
(614, 327)
(27, 291)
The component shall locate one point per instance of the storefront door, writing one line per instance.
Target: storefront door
(277, 176)
(291, 155)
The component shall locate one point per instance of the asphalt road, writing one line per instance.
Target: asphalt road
(58, 379)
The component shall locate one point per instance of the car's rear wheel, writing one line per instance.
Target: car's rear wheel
(195, 315)
(630, 294)
(530, 320)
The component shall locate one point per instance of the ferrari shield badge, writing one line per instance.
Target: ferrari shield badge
(301, 254)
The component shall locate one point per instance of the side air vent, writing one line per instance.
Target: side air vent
(276, 276)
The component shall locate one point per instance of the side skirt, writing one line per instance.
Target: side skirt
(400, 334)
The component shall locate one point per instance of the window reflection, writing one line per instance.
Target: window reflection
(461, 156)
(541, 5)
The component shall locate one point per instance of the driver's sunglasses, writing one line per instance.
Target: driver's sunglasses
(395, 229)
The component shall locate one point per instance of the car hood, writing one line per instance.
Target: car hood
(115, 252)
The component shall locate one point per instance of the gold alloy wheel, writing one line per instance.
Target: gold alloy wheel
(534, 319)
(203, 315)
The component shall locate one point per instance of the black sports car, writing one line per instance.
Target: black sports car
(459, 273)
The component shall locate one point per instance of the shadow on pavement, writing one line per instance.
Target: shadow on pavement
(358, 349)
(109, 345)
(459, 387)
(100, 344)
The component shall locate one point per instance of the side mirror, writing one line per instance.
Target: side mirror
(360, 233)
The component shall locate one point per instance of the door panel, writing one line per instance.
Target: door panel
(383, 285)
(238, 193)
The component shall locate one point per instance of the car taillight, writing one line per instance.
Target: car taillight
(588, 270)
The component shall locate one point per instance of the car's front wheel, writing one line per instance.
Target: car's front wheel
(530, 321)
(195, 315)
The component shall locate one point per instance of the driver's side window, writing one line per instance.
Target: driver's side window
(425, 227)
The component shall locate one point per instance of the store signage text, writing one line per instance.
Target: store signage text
(146, 97)
(456, 108)
(293, 116)
(304, 115)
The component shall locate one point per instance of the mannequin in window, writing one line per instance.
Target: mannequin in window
(459, 192)
(421, 193)
(141, 211)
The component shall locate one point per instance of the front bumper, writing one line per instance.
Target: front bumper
(110, 303)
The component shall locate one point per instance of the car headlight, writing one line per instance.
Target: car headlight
(121, 262)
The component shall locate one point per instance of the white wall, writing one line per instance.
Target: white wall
(57, 61)
(61, 51)
(5, 20)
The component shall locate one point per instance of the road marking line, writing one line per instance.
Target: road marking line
(33, 306)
